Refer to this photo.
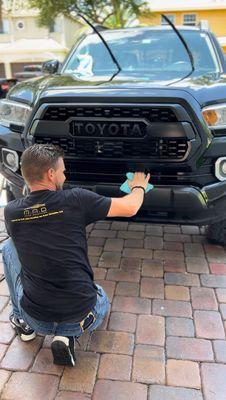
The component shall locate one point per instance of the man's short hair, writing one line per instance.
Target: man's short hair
(38, 159)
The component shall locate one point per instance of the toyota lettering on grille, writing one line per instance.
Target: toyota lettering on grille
(103, 128)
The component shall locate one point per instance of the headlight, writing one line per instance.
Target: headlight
(12, 112)
(215, 116)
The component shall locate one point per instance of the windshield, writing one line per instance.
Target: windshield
(144, 54)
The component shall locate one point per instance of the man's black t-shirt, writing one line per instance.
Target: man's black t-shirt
(48, 230)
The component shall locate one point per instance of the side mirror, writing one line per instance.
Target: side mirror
(50, 67)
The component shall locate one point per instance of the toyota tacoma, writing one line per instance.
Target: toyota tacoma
(147, 99)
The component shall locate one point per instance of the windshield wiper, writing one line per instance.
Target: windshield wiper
(191, 58)
(105, 44)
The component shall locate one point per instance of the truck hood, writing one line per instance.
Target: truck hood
(208, 89)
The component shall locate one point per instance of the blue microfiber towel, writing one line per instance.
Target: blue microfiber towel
(125, 187)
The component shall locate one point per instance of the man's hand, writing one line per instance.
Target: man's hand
(128, 205)
(139, 179)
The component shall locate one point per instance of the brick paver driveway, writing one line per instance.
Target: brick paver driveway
(164, 338)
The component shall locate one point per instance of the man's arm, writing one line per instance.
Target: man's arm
(128, 205)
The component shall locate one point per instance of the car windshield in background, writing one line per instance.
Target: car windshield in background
(143, 54)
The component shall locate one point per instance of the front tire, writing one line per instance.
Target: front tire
(216, 233)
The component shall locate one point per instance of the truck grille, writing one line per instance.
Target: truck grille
(156, 148)
(152, 114)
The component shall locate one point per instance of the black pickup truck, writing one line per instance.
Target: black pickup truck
(154, 107)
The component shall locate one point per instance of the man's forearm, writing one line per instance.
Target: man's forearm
(134, 200)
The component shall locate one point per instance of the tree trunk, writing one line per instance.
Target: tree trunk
(1, 24)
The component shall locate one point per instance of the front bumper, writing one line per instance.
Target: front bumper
(164, 204)
(175, 204)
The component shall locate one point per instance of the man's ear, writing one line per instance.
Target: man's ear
(50, 174)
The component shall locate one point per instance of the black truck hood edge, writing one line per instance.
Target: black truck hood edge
(206, 90)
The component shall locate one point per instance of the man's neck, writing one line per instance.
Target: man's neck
(42, 186)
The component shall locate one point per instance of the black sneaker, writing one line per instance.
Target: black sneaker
(23, 330)
(63, 349)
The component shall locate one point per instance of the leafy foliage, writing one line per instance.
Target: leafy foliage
(109, 13)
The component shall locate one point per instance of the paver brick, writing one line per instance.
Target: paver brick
(36, 386)
(193, 250)
(102, 225)
(189, 349)
(99, 273)
(44, 363)
(82, 377)
(223, 310)
(94, 250)
(119, 225)
(109, 259)
(190, 229)
(137, 253)
(134, 243)
(221, 296)
(214, 382)
(124, 322)
(3, 302)
(130, 235)
(153, 242)
(4, 314)
(127, 289)
(3, 349)
(136, 227)
(172, 308)
(7, 333)
(181, 238)
(119, 390)
(181, 279)
(152, 268)
(219, 347)
(150, 330)
(154, 230)
(158, 392)
(183, 373)
(93, 261)
(173, 246)
(215, 253)
(171, 229)
(103, 233)
(115, 367)
(197, 265)
(4, 376)
(129, 263)
(112, 342)
(4, 290)
(62, 395)
(149, 364)
(203, 299)
(125, 276)
(173, 292)
(96, 241)
(168, 255)
(134, 305)
(218, 269)
(174, 266)
(20, 355)
(179, 327)
(214, 281)
(152, 288)
(114, 245)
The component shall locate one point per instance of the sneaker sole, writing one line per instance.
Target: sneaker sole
(23, 337)
(61, 354)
